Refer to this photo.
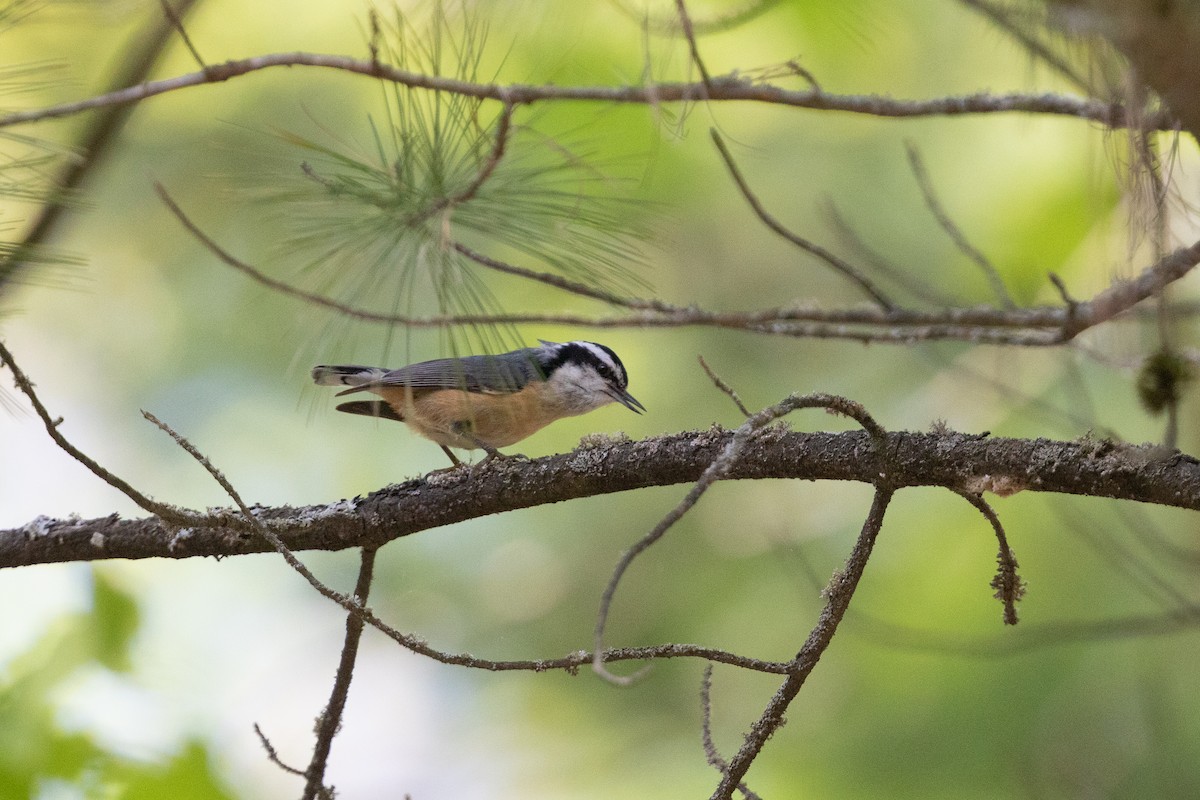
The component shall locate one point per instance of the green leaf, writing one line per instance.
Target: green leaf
(114, 622)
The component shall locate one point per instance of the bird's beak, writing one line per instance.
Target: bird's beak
(629, 401)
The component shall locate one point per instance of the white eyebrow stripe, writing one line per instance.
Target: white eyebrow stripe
(604, 358)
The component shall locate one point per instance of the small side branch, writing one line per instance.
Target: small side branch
(724, 387)
(952, 230)
(161, 510)
(273, 755)
(1007, 583)
(837, 599)
(710, 748)
(685, 23)
(837, 264)
(331, 718)
(718, 469)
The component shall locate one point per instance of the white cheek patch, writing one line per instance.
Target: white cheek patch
(579, 389)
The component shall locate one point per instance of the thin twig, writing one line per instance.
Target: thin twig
(837, 599)
(710, 748)
(1004, 19)
(715, 471)
(503, 127)
(952, 230)
(331, 718)
(1007, 583)
(910, 280)
(268, 534)
(566, 284)
(417, 645)
(724, 387)
(838, 264)
(685, 23)
(166, 512)
(177, 23)
(1060, 286)
(272, 755)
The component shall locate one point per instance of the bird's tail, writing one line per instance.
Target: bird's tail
(346, 375)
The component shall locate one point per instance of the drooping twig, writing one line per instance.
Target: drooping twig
(271, 536)
(331, 718)
(853, 273)
(952, 230)
(419, 646)
(710, 748)
(837, 599)
(272, 755)
(1007, 583)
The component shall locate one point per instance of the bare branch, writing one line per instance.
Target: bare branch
(948, 225)
(724, 387)
(715, 471)
(331, 718)
(1007, 583)
(1087, 467)
(838, 264)
(167, 513)
(837, 599)
(730, 88)
(710, 747)
(272, 755)
(1037, 326)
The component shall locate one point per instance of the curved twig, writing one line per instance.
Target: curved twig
(718, 469)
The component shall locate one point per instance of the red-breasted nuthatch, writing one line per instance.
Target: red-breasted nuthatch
(487, 402)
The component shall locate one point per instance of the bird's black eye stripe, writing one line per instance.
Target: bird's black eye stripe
(581, 352)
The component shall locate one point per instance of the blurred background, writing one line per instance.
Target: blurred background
(144, 679)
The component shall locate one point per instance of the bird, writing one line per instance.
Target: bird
(487, 401)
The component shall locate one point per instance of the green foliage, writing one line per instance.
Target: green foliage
(381, 230)
(36, 752)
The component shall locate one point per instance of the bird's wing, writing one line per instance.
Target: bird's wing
(501, 374)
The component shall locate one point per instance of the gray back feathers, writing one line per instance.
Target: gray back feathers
(508, 372)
